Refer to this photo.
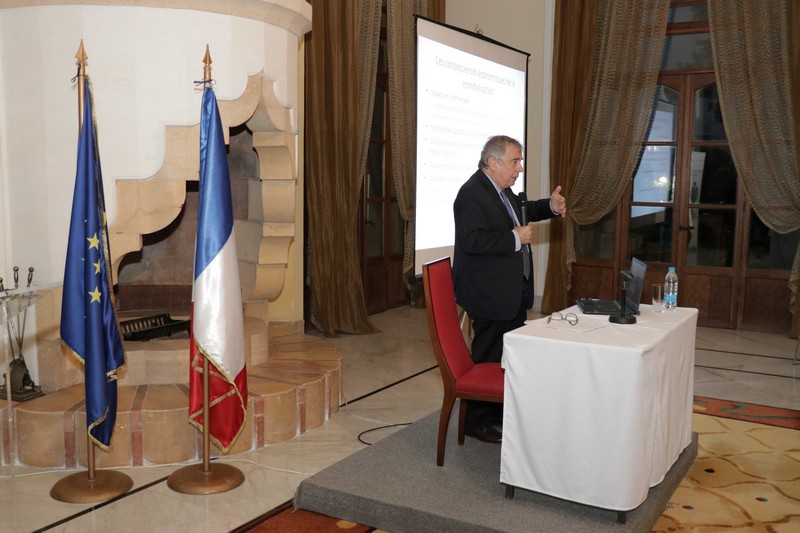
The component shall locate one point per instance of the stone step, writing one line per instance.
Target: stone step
(295, 390)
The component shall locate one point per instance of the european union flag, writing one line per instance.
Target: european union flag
(89, 326)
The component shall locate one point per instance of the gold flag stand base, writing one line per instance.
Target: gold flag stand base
(78, 488)
(194, 479)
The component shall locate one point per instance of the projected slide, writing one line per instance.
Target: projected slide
(468, 89)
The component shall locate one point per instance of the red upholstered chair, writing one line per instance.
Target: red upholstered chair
(461, 377)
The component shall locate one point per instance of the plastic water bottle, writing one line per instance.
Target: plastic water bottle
(671, 289)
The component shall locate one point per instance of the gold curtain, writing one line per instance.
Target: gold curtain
(402, 109)
(794, 33)
(368, 46)
(573, 57)
(630, 41)
(752, 59)
(335, 116)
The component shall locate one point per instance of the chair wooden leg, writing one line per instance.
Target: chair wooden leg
(509, 492)
(444, 421)
(462, 416)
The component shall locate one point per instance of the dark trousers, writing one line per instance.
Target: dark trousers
(487, 347)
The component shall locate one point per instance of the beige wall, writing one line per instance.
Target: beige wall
(526, 25)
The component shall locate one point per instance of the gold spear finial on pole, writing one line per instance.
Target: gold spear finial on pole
(207, 69)
(80, 55)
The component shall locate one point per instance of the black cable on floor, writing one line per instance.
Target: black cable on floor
(347, 403)
(362, 441)
(367, 395)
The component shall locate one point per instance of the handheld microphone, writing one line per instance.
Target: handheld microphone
(523, 207)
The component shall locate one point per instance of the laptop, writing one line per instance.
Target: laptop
(595, 306)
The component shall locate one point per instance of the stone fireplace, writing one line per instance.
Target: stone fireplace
(156, 217)
(149, 144)
(158, 278)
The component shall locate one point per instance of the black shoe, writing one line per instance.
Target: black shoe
(491, 434)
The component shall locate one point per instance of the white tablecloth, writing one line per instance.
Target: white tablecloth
(597, 413)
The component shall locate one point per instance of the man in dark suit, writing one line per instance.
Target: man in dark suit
(492, 264)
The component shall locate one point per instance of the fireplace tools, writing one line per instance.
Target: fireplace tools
(18, 379)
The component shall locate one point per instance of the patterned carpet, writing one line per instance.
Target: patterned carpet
(746, 477)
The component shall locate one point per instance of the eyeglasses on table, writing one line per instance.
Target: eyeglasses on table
(570, 318)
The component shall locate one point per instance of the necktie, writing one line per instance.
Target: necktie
(526, 258)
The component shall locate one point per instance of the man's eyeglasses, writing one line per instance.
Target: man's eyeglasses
(572, 318)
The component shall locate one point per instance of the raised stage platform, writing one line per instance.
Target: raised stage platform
(395, 485)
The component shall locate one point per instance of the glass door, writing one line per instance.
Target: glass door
(685, 203)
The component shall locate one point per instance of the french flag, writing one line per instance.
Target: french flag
(217, 331)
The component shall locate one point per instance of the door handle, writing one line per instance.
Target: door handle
(686, 228)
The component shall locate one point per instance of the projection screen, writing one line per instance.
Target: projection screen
(468, 89)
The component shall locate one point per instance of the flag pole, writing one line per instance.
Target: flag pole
(206, 395)
(81, 57)
(206, 478)
(92, 486)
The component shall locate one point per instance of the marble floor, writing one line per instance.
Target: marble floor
(389, 379)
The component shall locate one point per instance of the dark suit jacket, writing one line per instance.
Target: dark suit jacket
(487, 272)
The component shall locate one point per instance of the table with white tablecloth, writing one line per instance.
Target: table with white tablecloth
(597, 412)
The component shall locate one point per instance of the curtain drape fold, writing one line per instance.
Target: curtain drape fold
(335, 149)
(341, 65)
(369, 15)
(401, 38)
(752, 49)
(630, 41)
(402, 44)
(794, 68)
(573, 59)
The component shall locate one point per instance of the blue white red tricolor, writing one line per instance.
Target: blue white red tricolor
(217, 331)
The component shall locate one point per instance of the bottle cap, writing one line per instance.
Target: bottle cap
(671, 269)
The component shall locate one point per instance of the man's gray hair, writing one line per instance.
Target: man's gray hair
(496, 147)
